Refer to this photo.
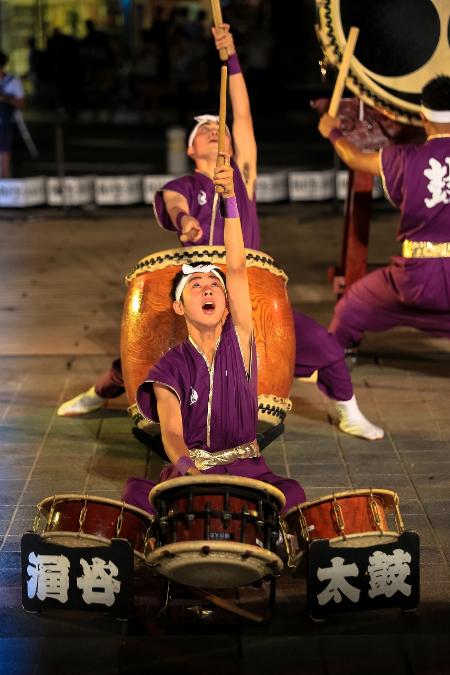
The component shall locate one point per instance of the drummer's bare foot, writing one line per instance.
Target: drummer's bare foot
(353, 422)
(84, 403)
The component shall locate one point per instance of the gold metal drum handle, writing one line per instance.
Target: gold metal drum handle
(303, 524)
(288, 545)
(375, 512)
(50, 515)
(82, 517)
(398, 516)
(119, 521)
(339, 517)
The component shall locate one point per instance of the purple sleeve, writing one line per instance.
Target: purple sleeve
(180, 185)
(162, 373)
(392, 163)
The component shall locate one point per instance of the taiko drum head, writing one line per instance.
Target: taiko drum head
(214, 564)
(401, 46)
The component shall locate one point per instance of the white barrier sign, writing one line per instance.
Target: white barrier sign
(151, 184)
(342, 183)
(70, 191)
(311, 185)
(272, 187)
(19, 192)
(116, 190)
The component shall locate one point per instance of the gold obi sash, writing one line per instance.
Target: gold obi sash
(206, 460)
(425, 249)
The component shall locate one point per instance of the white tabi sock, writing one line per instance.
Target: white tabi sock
(353, 422)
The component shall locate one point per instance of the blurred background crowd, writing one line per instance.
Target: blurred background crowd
(148, 56)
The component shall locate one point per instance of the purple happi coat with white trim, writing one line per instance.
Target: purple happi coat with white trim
(219, 408)
(411, 292)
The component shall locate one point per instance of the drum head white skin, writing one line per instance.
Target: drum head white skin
(213, 564)
(363, 539)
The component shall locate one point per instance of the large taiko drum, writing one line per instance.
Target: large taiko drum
(401, 46)
(80, 520)
(351, 518)
(216, 531)
(150, 327)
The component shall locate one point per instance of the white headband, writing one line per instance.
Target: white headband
(440, 116)
(201, 120)
(188, 271)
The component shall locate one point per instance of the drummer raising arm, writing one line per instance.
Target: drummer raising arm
(204, 391)
(203, 303)
(414, 289)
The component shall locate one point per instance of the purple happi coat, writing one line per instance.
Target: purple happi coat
(410, 291)
(219, 409)
(198, 190)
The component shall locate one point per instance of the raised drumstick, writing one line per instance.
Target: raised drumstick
(222, 131)
(218, 21)
(343, 71)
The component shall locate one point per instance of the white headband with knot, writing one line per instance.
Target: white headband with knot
(189, 270)
(201, 120)
(441, 116)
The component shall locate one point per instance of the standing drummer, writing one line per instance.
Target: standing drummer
(184, 206)
(203, 392)
(414, 290)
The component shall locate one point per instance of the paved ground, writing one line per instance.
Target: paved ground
(60, 300)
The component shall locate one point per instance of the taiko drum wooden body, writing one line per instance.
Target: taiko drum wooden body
(150, 327)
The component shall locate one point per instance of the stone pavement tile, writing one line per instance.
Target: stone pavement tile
(94, 482)
(20, 656)
(352, 444)
(27, 450)
(389, 481)
(11, 543)
(431, 468)
(411, 507)
(10, 491)
(19, 434)
(75, 426)
(412, 443)
(415, 458)
(9, 461)
(357, 466)
(60, 470)
(431, 479)
(14, 472)
(21, 525)
(6, 511)
(68, 447)
(441, 527)
(421, 525)
(4, 524)
(10, 560)
(430, 555)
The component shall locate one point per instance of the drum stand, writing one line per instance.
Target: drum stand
(186, 606)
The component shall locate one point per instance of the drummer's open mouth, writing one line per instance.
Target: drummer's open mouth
(209, 307)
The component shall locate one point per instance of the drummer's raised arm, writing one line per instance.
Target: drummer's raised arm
(237, 282)
(347, 151)
(243, 133)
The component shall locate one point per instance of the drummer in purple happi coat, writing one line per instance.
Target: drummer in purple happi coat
(184, 206)
(414, 290)
(203, 392)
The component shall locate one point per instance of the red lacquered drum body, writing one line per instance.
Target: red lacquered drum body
(216, 531)
(79, 520)
(344, 515)
(150, 327)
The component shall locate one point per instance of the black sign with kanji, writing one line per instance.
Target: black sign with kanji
(351, 578)
(98, 578)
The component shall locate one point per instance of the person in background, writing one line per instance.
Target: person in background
(12, 98)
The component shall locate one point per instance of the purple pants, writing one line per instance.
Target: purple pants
(136, 490)
(409, 292)
(316, 349)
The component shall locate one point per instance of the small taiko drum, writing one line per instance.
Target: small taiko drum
(216, 531)
(81, 520)
(349, 518)
(150, 327)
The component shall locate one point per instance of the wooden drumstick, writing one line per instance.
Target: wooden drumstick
(218, 21)
(222, 132)
(227, 605)
(343, 71)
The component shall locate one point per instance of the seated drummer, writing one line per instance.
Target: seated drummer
(204, 391)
